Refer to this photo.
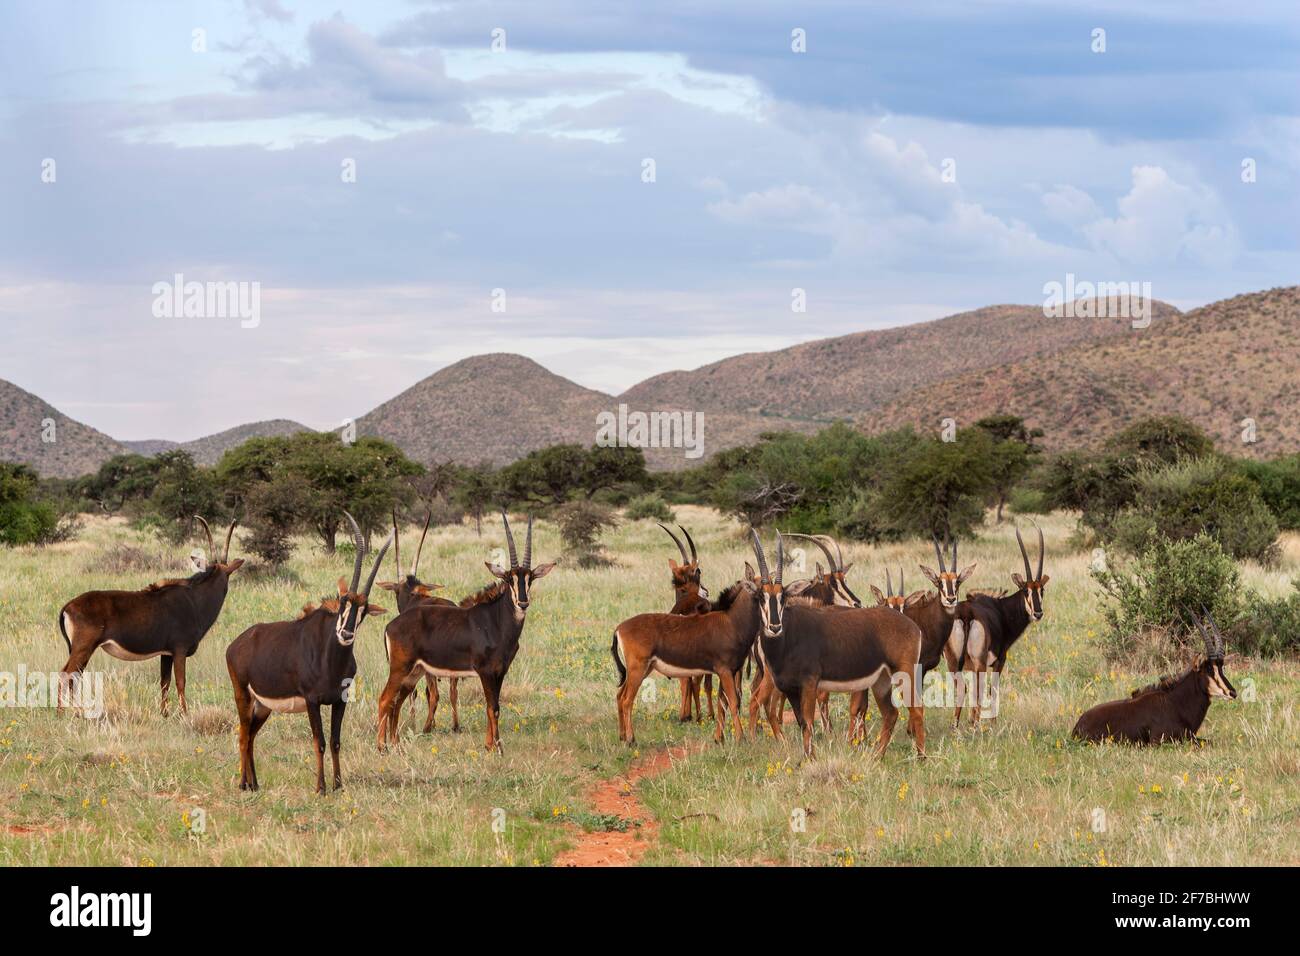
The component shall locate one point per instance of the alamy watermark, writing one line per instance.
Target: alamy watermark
(1075, 299)
(628, 429)
(179, 299)
(83, 692)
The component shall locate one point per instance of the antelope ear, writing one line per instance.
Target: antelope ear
(848, 567)
(913, 598)
(496, 571)
(672, 564)
(376, 609)
(343, 586)
(929, 573)
(880, 598)
(965, 572)
(1020, 582)
(542, 570)
(387, 585)
(750, 573)
(1042, 582)
(749, 584)
(820, 572)
(238, 563)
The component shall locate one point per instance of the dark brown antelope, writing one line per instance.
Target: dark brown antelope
(166, 620)
(986, 626)
(809, 649)
(690, 597)
(826, 588)
(688, 646)
(1172, 709)
(480, 636)
(410, 591)
(302, 665)
(947, 580)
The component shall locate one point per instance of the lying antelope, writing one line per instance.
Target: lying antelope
(480, 636)
(690, 597)
(294, 666)
(809, 649)
(410, 591)
(986, 626)
(166, 620)
(826, 588)
(1172, 709)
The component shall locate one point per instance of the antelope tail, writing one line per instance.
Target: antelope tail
(618, 661)
(64, 631)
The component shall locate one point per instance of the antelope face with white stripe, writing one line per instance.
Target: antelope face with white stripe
(1031, 585)
(1217, 684)
(519, 581)
(353, 609)
(947, 580)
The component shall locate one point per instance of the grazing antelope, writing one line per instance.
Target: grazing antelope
(289, 667)
(410, 591)
(690, 597)
(480, 636)
(166, 620)
(1171, 709)
(986, 626)
(809, 649)
(827, 588)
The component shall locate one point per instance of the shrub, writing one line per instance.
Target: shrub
(581, 524)
(1279, 485)
(1028, 501)
(1199, 496)
(1148, 597)
(1271, 627)
(649, 506)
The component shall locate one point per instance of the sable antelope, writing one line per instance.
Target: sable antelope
(827, 588)
(480, 636)
(289, 667)
(716, 641)
(1171, 709)
(809, 649)
(167, 620)
(986, 626)
(948, 580)
(410, 591)
(690, 597)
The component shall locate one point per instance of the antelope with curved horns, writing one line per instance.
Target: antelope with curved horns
(166, 620)
(948, 580)
(716, 642)
(826, 588)
(289, 667)
(410, 591)
(1171, 709)
(809, 649)
(986, 626)
(480, 636)
(690, 597)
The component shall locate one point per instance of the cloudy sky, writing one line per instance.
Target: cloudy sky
(916, 160)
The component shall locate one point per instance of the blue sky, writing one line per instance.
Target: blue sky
(917, 160)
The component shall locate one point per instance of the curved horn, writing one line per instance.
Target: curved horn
(839, 555)
(938, 553)
(695, 558)
(358, 542)
(902, 588)
(374, 571)
(528, 544)
(510, 541)
(397, 545)
(1029, 575)
(780, 558)
(230, 532)
(415, 568)
(758, 553)
(1218, 636)
(1042, 552)
(685, 560)
(954, 555)
(208, 531)
(889, 584)
(817, 541)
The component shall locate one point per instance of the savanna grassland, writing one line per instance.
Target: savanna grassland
(124, 790)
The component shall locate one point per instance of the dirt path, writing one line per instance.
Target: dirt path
(617, 796)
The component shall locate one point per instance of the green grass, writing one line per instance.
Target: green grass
(123, 791)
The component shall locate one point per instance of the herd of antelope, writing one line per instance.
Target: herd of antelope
(802, 640)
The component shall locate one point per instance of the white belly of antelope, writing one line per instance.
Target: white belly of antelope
(848, 686)
(114, 649)
(443, 671)
(282, 705)
(668, 670)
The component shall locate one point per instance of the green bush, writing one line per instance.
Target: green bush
(1028, 501)
(1278, 482)
(1148, 596)
(581, 525)
(1199, 496)
(1271, 628)
(649, 506)
(26, 516)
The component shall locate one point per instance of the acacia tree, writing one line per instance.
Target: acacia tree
(1012, 456)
